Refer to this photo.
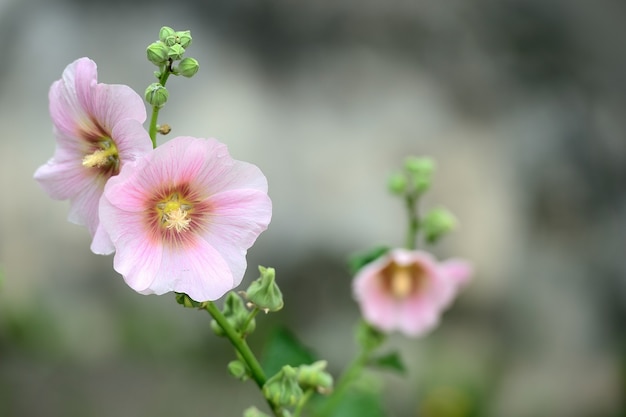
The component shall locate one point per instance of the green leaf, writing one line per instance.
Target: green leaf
(390, 361)
(283, 348)
(360, 403)
(359, 260)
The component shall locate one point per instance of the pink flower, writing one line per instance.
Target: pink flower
(408, 290)
(98, 128)
(183, 217)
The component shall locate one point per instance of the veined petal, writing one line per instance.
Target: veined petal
(199, 271)
(68, 96)
(113, 103)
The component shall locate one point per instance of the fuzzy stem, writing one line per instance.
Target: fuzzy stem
(413, 227)
(242, 347)
(167, 70)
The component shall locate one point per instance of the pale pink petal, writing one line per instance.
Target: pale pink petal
(84, 206)
(132, 140)
(113, 103)
(62, 180)
(66, 107)
(377, 307)
(199, 271)
(457, 271)
(417, 316)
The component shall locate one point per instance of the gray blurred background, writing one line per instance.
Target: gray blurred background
(523, 105)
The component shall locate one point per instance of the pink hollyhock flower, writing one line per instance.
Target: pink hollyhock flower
(98, 128)
(408, 290)
(183, 217)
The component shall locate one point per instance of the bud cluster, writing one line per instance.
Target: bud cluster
(411, 183)
(167, 54)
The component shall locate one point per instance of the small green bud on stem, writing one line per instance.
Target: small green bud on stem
(188, 67)
(156, 95)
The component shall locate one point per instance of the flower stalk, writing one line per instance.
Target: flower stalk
(239, 343)
(153, 130)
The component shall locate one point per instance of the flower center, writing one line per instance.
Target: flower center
(104, 156)
(174, 213)
(401, 281)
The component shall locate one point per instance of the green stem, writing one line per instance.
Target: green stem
(347, 378)
(242, 347)
(413, 227)
(167, 70)
(251, 316)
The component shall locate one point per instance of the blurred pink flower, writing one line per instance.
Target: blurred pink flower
(98, 128)
(183, 217)
(408, 290)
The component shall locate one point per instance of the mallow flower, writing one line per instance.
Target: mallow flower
(98, 129)
(183, 217)
(407, 290)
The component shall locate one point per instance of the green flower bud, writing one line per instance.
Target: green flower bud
(175, 52)
(437, 223)
(238, 369)
(165, 33)
(421, 171)
(156, 95)
(282, 389)
(254, 412)
(264, 293)
(314, 376)
(423, 166)
(184, 38)
(237, 315)
(157, 53)
(188, 67)
(397, 183)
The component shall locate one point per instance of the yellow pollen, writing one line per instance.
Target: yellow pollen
(401, 282)
(98, 159)
(104, 157)
(177, 219)
(174, 213)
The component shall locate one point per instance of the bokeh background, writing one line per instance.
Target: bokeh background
(521, 102)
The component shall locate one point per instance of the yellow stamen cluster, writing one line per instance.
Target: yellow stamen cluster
(105, 157)
(174, 213)
(401, 283)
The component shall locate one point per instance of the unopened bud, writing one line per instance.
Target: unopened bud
(283, 389)
(397, 183)
(254, 412)
(315, 376)
(421, 171)
(264, 292)
(237, 315)
(437, 223)
(175, 52)
(165, 33)
(184, 38)
(188, 67)
(156, 95)
(238, 369)
(157, 53)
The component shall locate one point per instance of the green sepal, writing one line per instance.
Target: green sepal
(390, 361)
(186, 301)
(264, 292)
(314, 376)
(283, 389)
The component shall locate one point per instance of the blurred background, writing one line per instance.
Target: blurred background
(521, 102)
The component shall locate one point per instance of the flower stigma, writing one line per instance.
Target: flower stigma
(106, 156)
(174, 213)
